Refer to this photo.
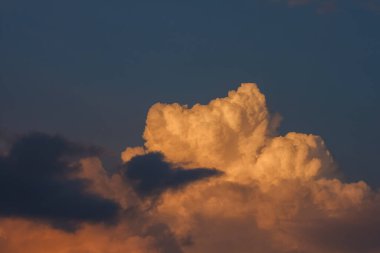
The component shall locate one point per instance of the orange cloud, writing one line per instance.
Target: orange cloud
(277, 194)
(20, 236)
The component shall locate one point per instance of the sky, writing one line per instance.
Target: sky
(90, 71)
(101, 79)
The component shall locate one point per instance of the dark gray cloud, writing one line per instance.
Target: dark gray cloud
(165, 238)
(143, 225)
(36, 182)
(150, 175)
(373, 5)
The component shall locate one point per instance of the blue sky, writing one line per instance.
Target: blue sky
(90, 70)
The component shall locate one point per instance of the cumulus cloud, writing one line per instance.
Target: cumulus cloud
(268, 193)
(225, 134)
(278, 187)
(235, 134)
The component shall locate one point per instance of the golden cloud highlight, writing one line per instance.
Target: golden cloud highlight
(277, 193)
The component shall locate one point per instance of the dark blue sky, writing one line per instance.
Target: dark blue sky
(90, 70)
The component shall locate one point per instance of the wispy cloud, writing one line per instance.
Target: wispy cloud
(330, 6)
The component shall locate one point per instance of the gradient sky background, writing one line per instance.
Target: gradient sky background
(90, 70)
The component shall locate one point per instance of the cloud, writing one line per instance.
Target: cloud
(235, 135)
(20, 235)
(35, 183)
(299, 2)
(326, 7)
(150, 175)
(276, 189)
(330, 6)
(373, 5)
(165, 239)
(224, 134)
(321, 6)
(269, 193)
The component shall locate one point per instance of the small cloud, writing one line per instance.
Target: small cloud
(330, 6)
(326, 7)
(150, 175)
(298, 2)
(373, 5)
